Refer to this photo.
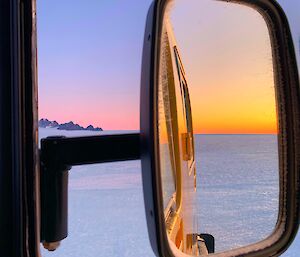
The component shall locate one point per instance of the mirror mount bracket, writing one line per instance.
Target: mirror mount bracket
(57, 156)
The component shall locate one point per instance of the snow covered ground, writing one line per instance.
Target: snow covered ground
(237, 181)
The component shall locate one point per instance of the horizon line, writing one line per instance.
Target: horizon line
(235, 133)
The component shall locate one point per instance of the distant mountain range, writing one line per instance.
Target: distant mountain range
(45, 123)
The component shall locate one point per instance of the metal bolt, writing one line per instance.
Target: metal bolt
(51, 246)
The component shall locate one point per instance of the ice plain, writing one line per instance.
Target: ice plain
(237, 198)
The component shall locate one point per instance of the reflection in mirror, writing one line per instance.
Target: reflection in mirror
(217, 127)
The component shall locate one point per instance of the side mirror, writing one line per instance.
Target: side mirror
(225, 68)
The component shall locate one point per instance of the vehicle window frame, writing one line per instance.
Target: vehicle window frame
(185, 98)
(173, 128)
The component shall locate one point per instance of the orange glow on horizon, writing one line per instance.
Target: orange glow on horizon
(227, 58)
(214, 129)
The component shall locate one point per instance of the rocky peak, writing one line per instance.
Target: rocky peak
(45, 123)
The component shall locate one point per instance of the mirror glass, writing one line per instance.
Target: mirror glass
(217, 127)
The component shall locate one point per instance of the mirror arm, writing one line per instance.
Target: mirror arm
(58, 154)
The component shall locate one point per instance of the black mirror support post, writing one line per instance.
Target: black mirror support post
(58, 155)
(54, 195)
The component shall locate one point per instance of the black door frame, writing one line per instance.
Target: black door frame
(18, 130)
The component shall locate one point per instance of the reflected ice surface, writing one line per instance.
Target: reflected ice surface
(237, 187)
(106, 209)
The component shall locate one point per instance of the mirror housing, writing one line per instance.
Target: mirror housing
(288, 100)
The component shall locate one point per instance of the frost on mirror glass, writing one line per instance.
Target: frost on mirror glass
(217, 126)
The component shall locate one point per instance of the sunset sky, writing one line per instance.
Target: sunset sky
(89, 61)
(228, 64)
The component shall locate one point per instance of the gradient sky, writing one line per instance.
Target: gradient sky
(228, 64)
(89, 61)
